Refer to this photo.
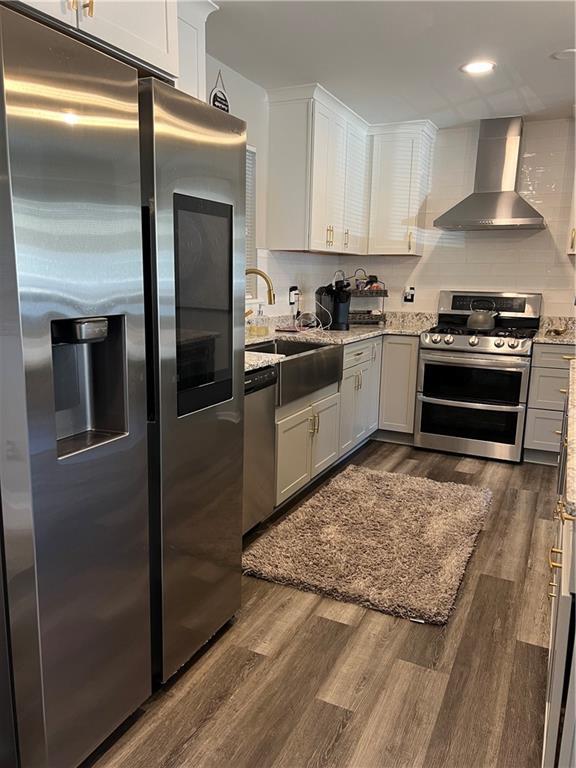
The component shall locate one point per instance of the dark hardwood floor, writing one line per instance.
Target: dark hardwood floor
(299, 680)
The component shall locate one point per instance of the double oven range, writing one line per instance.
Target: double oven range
(473, 385)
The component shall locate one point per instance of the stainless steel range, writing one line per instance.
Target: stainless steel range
(473, 384)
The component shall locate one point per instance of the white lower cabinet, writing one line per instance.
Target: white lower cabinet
(373, 387)
(348, 387)
(547, 396)
(293, 453)
(326, 431)
(398, 383)
(360, 394)
(543, 430)
(306, 444)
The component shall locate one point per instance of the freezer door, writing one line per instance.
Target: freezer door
(72, 396)
(194, 177)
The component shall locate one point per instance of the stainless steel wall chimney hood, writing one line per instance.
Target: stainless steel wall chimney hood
(495, 203)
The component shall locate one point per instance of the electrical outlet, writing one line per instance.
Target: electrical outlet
(408, 296)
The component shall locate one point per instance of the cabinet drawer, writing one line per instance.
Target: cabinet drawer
(360, 352)
(553, 355)
(548, 387)
(542, 428)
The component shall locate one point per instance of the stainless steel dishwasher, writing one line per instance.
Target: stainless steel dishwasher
(259, 446)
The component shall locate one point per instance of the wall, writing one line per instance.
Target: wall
(529, 260)
(249, 102)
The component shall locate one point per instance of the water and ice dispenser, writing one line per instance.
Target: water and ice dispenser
(89, 369)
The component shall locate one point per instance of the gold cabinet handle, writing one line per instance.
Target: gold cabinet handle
(563, 391)
(557, 431)
(316, 423)
(572, 238)
(327, 235)
(553, 563)
(568, 357)
(331, 234)
(73, 5)
(346, 238)
(409, 242)
(90, 6)
(358, 380)
(312, 423)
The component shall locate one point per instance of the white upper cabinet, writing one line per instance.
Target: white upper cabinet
(401, 171)
(147, 30)
(327, 180)
(318, 173)
(63, 10)
(192, 15)
(357, 191)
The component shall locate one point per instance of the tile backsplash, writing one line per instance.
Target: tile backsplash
(529, 260)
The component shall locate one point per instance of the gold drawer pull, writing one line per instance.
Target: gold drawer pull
(563, 391)
(568, 357)
(557, 431)
(90, 6)
(572, 238)
(553, 563)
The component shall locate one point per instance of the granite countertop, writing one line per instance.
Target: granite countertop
(544, 337)
(571, 444)
(255, 360)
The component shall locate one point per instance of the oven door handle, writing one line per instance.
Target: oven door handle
(466, 359)
(473, 406)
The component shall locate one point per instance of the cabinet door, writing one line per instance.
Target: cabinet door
(319, 234)
(362, 404)
(148, 30)
(357, 193)
(336, 182)
(326, 433)
(543, 430)
(293, 453)
(328, 180)
(348, 390)
(398, 383)
(571, 245)
(372, 387)
(561, 644)
(58, 9)
(390, 199)
(548, 388)
(192, 46)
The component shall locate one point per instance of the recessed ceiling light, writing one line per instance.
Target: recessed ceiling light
(567, 53)
(478, 67)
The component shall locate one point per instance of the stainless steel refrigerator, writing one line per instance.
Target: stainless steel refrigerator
(73, 477)
(193, 176)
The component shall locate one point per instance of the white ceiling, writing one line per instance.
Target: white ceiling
(398, 60)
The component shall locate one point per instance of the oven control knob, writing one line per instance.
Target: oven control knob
(498, 342)
(513, 343)
(473, 341)
(436, 338)
(449, 339)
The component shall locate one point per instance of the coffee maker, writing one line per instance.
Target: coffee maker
(333, 305)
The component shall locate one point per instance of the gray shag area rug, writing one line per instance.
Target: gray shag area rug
(396, 543)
